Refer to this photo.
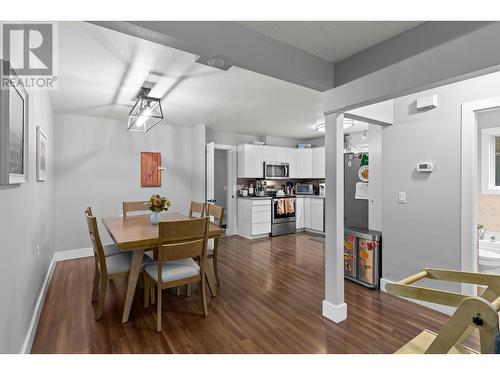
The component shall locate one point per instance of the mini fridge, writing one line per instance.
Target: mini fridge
(363, 256)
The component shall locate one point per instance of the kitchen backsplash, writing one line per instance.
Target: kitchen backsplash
(489, 211)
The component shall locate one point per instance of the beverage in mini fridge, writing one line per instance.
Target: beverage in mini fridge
(362, 256)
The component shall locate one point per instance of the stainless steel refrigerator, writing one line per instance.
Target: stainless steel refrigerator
(363, 256)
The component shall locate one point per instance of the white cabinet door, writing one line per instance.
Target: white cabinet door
(269, 153)
(317, 214)
(304, 163)
(250, 161)
(299, 213)
(307, 213)
(318, 162)
(281, 154)
(292, 160)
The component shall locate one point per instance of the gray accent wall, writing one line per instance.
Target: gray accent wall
(98, 165)
(425, 232)
(26, 221)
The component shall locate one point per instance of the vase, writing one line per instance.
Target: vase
(155, 218)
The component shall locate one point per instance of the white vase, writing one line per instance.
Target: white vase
(155, 218)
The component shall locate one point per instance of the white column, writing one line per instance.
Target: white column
(334, 307)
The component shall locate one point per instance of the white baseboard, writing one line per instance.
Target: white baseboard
(337, 313)
(74, 254)
(448, 310)
(58, 256)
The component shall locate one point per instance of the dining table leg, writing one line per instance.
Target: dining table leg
(135, 269)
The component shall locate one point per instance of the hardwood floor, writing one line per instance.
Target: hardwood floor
(269, 302)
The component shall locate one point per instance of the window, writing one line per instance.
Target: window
(490, 161)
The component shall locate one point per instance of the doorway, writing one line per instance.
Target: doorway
(220, 179)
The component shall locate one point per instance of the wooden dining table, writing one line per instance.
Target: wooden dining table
(136, 234)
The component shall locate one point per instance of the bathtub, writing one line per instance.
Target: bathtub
(489, 253)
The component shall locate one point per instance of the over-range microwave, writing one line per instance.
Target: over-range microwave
(275, 170)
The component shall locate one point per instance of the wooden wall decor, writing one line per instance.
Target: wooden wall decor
(150, 169)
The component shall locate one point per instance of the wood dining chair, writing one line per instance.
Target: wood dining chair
(179, 242)
(110, 249)
(216, 215)
(197, 209)
(106, 267)
(136, 206)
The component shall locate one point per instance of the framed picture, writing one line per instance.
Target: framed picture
(13, 128)
(41, 155)
(150, 169)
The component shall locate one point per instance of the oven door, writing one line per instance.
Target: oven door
(283, 210)
(276, 170)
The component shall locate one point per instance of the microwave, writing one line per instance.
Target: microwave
(304, 189)
(274, 170)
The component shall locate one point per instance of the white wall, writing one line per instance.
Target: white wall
(26, 221)
(425, 232)
(98, 165)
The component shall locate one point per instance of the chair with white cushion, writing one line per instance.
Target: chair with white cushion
(216, 215)
(107, 266)
(179, 242)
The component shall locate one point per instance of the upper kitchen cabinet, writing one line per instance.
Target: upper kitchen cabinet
(250, 161)
(269, 153)
(291, 158)
(318, 162)
(304, 163)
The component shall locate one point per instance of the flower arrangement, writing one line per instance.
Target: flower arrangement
(158, 204)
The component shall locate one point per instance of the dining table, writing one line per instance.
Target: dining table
(136, 234)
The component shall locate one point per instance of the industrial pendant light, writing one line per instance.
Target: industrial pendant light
(146, 112)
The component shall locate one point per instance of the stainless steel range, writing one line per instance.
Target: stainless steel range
(283, 215)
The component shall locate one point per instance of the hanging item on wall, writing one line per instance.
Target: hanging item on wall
(151, 169)
(363, 174)
(364, 160)
(41, 155)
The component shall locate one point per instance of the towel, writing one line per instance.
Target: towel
(289, 206)
(280, 209)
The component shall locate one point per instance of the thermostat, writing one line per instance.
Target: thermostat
(425, 167)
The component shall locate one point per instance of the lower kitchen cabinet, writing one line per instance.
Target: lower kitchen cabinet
(254, 217)
(310, 214)
(299, 213)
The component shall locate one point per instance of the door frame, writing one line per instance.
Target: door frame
(231, 172)
(469, 186)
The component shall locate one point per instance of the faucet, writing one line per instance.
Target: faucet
(481, 231)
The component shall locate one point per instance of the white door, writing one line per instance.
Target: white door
(209, 173)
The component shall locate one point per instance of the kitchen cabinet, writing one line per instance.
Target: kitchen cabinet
(269, 153)
(281, 154)
(250, 161)
(292, 160)
(318, 162)
(299, 213)
(313, 214)
(317, 207)
(304, 163)
(254, 217)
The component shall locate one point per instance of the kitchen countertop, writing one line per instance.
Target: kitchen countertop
(268, 197)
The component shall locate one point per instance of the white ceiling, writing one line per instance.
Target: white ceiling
(100, 72)
(331, 40)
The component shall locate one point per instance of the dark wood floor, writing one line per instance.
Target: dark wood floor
(269, 302)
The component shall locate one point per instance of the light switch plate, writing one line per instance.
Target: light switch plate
(402, 197)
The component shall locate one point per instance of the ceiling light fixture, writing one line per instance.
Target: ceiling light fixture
(347, 124)
(320, 127)
(218, 62)
(146, 113)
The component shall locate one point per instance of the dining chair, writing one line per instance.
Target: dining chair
(110, 249)
(216, 215)
(135, 206)
(197, 209)
(107, 267)
(179, 242)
